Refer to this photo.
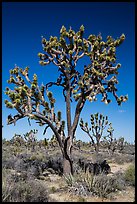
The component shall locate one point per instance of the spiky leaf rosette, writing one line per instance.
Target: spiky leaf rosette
(27, 97)
(99, 77)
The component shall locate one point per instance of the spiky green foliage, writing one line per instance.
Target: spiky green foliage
(70, 47)
(95, 132)
(30, 138)
(18, 140)
(27, 96)
(109, 141)
(65, 52)
(59, 115)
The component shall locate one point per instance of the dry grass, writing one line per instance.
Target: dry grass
(21, 181)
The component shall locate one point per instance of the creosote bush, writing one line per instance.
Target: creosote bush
(85, 184)
(103, 185)
(130, 175)
(23, 190)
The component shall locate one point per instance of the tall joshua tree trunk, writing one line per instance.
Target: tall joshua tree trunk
(67, 160)
(68, 144)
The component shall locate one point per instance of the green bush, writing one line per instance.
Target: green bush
(103, 185)
(81, 199)
(53, 189)
(69, 179)
(130, 175)
(88, 179)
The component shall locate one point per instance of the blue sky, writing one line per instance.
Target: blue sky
(23, 24)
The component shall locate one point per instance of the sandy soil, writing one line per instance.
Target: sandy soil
(60, 193)
(119, 167)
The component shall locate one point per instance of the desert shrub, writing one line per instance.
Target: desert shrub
(39, 156)
(81, 199)
(88, 180)
(76, 168)
(78, 188)
(33, 171)
(53, 189)
(19, 165)
(76, 184)
(129, 149)
(55, 164)
(130, 175)
(80, 184)
(103, 185)
(69, 179)
(23, 191)
(9, 162)
(100, 157)
(124, 158)
(24, 155)
(119, 180)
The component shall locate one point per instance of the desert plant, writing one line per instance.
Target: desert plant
(123, 158)
(53, 141)
(53, 189)
(30, 138)
(69, 179)
(77, 185)
(81, 199)
(130, 175)
(103, 185)
(30, 101)
(24, 191)
(120, 144)
(88, 179)
(110, 141)
(98, 124)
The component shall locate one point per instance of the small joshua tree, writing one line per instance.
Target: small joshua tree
(98, 77)
(30, 138)
(120, 144)
(110, 142)
(43, 143)
(18, 140)
(53, 141)
(46, 143)
(95, 132)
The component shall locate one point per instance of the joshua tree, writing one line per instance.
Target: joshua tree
(95, 132)
(43, 143)
(18, 140)
(121, 144)
(110, 142)
(53, 141)
(99, 76)
(30, 138)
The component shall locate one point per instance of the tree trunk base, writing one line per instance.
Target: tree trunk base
(67, 166)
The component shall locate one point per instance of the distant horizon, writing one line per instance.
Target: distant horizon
(22, 29)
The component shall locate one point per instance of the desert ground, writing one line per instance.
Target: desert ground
(25, 179)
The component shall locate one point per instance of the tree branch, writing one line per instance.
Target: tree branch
(78, 110)
(39, 116)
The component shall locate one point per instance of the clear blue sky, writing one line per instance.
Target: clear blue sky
(23, 24)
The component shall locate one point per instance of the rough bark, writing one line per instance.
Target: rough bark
(67, 160)
(97, 148)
